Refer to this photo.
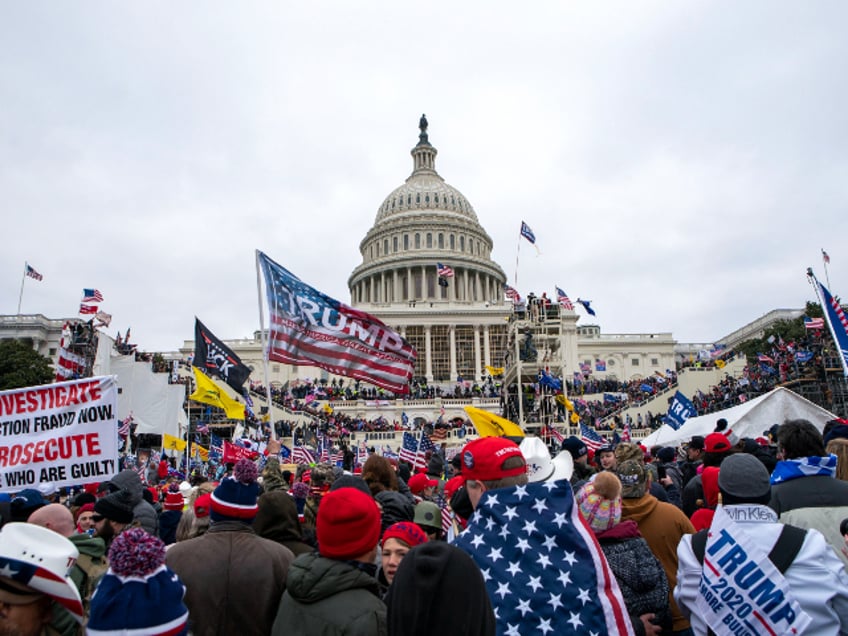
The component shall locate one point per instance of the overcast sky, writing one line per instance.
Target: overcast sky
(681, 163)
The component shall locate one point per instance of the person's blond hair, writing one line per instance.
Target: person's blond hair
(839, 447)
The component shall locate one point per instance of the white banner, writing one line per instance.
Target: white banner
(742, 593)
(63, 433)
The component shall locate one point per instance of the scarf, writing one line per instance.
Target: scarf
(788, 469)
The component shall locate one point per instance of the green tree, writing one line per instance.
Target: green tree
(21, 365)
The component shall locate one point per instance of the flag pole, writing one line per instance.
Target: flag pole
(21, 295)
(517, 252)
(273, 433)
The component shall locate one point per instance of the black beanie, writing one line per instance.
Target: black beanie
(116, 507)
(438, 589)
(84, 498)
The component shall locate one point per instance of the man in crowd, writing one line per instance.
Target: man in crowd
(716, 448)
(143, 512)
(661, 524)
(34, 572)
(234, 579)
(694, 458)
(542, 567)
(112, 515)
(580, 457)
(805, 492)
(335, 591)
(814, 575)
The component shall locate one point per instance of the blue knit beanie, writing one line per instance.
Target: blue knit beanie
(235, 498)
(139, 594)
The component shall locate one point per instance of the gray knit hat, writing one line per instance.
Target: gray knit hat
(743, 476)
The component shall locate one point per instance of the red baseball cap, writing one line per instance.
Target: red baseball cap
(716, 443)
(419, 481)
(483, 459)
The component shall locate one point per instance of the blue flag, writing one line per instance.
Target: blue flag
(586, 306)
(546, 379)
(803, 356)
(838, 324)
(543, 568)
(527, 233)
(681, 409)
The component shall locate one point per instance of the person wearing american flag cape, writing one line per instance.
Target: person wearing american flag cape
(543, 568)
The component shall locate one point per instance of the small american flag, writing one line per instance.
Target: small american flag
(92, 296)
(411, 451)
(552, 432)
(88, 309)
(203, 429)
(512, 294)
(444, 271)
(30, 271)
(564, 300)
(124, 428)
(589, 437)
(302, 455)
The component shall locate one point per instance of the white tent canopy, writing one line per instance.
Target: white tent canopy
(748, 419)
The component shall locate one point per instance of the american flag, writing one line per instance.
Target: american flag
(813, 323)
(88, 309)
(543, 568)
(69, 365)
(124, 428)
(446, 514)
(30, 271)
(332, 335)
(444, 271)
(552, 432)
(323, 451)
(337, 456)
(512, 294)
(589, 437)
(625, 432)
(411, 452)
(202, 428)
(564, 300)
(92, 296)
(302, 455)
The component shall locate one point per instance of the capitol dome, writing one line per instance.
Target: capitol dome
(422, 223)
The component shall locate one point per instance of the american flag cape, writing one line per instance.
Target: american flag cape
(308, 327)
(544, 569)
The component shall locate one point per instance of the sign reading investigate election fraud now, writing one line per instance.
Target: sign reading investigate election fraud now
(63, 433)
(741, 591)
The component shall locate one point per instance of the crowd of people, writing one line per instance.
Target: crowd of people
(504, 538)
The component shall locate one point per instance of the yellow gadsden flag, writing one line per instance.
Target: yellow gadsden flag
(564, 401)
(198, 451)
(491, 425)
(210, 393)
(169, 442)
(494, 371)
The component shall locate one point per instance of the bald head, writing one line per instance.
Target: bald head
(54, 517)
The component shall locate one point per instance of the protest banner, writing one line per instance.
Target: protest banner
(741, 591)
(63, 433)
(233, 453)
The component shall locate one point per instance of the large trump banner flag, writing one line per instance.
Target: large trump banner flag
(308, 327)
(64, 433)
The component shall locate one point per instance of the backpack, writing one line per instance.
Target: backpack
(782, 554)
(93, 569)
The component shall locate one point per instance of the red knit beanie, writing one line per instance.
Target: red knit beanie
(174, 501)
(410, 533)
(348, 524)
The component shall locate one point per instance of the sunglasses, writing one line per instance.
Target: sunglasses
(97, 518)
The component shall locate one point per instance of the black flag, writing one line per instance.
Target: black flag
(215, 358)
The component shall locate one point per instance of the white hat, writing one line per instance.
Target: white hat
(35, 558)
(540, 466)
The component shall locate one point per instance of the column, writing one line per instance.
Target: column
(428, 353)
(477, 357)
(453, 371)
(487, 347)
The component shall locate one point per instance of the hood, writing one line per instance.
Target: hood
(277, 517)
(312, 578)
(627, 529)
(91, 546)
(396, 507)
(638, 509)
(128, 480)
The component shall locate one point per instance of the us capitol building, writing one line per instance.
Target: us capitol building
(460, 324)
